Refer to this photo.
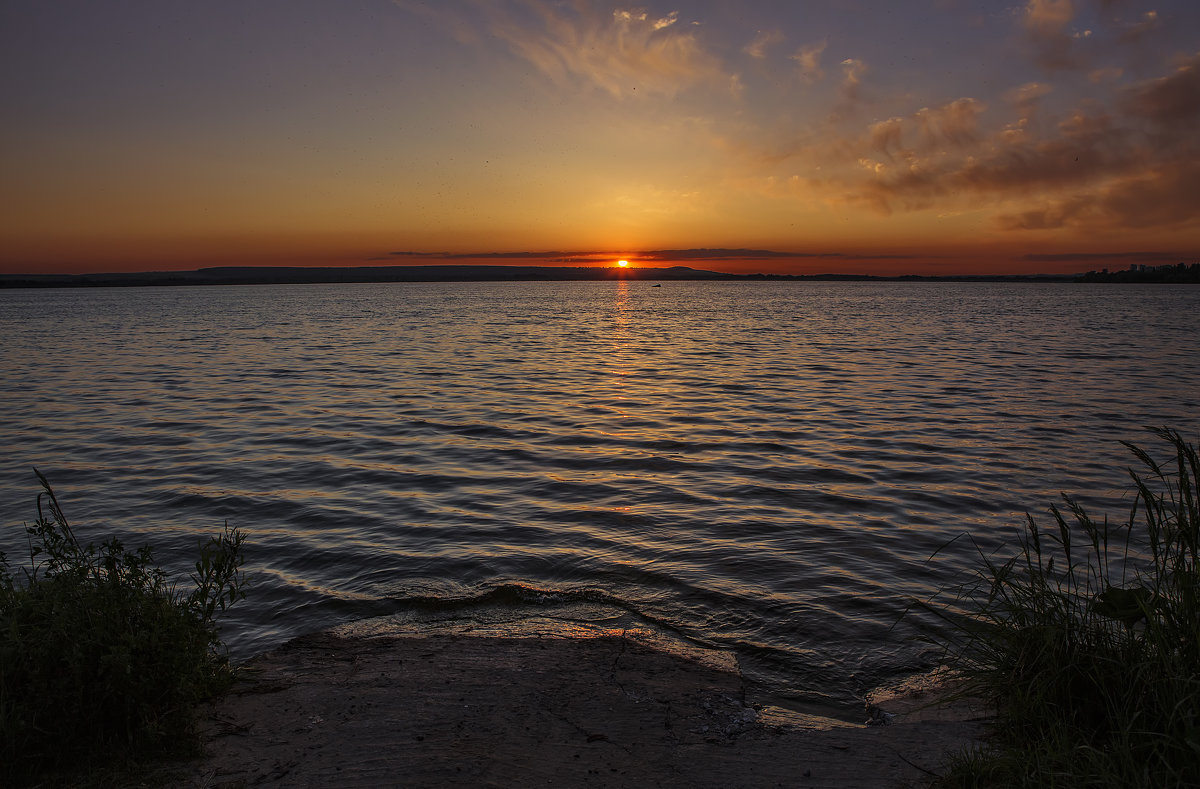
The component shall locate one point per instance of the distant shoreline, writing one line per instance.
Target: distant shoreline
(299, 275)
(294, 275)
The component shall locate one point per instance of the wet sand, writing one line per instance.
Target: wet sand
(607, 711)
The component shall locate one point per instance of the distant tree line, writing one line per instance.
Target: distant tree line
(1180, 272)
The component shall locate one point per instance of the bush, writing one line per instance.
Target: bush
(1088, 641)
(101, 657)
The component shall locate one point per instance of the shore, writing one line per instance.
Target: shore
(606, 710)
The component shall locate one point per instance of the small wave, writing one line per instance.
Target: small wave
(511, 594)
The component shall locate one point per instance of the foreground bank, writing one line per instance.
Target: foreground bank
(606, 710)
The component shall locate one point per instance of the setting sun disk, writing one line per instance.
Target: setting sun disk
(622, 263)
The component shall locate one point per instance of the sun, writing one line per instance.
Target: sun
(622, 263)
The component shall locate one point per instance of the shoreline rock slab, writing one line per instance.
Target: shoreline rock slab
(464, 711)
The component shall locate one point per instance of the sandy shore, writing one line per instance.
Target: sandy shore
(606, 711)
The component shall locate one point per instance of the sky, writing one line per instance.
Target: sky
(808, 136)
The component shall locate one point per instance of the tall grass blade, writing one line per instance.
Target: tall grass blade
(1089, 646)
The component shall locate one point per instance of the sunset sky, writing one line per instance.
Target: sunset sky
(866, 136)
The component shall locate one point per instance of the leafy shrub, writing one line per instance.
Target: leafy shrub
(100, 655)
(1088, 640)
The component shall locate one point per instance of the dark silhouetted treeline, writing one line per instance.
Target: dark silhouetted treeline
(287, 275)
(1180, 272)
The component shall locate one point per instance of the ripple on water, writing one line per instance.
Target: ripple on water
(762, 467)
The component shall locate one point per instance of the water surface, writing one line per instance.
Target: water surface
(762, 467)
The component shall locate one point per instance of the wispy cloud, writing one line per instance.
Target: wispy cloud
(763, 42)
(1027, 97)
(604, 256)
(1048, 22)
(853, 70)
(808, 61)
(850, 93)
(757, 254)
(955, 124)
(623, 52)
(1049, 16)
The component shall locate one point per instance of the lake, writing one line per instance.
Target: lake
(761, 467)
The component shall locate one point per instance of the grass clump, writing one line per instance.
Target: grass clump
(102, 658)
(1088, 641)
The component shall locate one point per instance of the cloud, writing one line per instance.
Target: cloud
(808, 62)
(850, 90)
(908, 141)
(1106, 74)
(1049, 16)
(1048, 23)
(1170, 100)
(1131, 162)
(762, 42)
(954, 124)
(628, 17)
(1086, 148)
(648, 255)
(1162, 197)
(756, 254)
(1027, 97)
(1061, 42)
(623, 52)
(853, 70)
(1132, 32)
(887, 139)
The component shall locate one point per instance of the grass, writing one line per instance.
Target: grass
(1088, 642)
(102, 657)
